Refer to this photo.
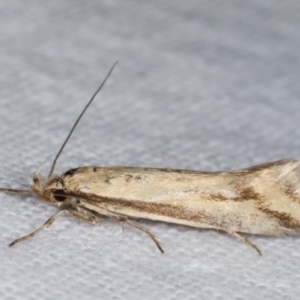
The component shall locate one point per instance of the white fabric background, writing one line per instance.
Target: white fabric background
(209, 85)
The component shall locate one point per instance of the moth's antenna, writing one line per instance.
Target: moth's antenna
(78, 119)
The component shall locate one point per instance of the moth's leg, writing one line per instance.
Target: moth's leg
(243, 239)
(146, 231)
(122, 226)
(86, 216)
(47, 224)
(124, 219)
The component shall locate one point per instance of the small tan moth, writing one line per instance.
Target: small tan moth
(263, 199)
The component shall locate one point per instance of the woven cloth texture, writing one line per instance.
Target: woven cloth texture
(205, 85)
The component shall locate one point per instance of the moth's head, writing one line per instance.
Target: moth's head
(52, 191)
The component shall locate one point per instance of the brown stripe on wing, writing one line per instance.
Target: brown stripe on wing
(168, 210)
(283, 218)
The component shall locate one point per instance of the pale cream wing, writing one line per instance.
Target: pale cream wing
(261, 200)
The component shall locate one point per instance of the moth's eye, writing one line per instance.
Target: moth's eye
(59, 195)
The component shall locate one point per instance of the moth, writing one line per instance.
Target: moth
(260, 200)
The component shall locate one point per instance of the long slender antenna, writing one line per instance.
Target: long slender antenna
(78, 119)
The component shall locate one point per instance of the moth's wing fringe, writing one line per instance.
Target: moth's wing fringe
(290, 176)
(287, 172)
(259, 167)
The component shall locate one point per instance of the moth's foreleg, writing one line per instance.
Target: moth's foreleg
(47, 224)
(243, 239)
(82, 215)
